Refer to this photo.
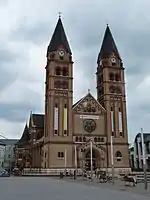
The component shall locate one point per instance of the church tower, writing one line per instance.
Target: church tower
(58, 101)
(111, 94)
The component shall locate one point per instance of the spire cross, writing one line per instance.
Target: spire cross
(88, 90)
(107, 23)
(59, 14)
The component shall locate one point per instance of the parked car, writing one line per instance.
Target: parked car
(4, 173)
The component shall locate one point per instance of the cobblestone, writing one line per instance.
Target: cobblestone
(37, 188)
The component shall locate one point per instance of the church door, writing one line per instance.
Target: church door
(88, 160)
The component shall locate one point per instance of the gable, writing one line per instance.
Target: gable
(88, 104)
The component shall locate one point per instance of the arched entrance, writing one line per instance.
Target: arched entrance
(95, 159)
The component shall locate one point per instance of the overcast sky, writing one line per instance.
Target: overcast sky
(25, 31)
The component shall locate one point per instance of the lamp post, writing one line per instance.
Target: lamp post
(112, 158)
(82, 149)
(65, 159)
(85, 107)
(144, 159)
(91, 158)
(75, 157)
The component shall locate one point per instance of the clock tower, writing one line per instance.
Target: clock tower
(58, 101)
(111, 94)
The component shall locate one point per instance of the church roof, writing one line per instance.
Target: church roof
(8, 141)
(77, 102)
(38, 120)
(108, 46)
(25, 137)
(59, 38)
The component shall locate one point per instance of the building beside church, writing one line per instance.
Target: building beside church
(7, 156)
(61, 137)
(136, 155)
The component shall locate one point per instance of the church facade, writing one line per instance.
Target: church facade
(67, 130)
(69, 127)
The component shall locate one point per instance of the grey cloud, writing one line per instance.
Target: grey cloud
(85, 25)
(7, 77)
(7, 56)
(19, 112)
(36, 33)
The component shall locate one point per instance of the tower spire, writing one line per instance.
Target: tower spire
(59, 38)
(108, 45)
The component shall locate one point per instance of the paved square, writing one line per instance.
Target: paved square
(30, 188)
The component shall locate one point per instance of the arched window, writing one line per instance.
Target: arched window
(57, 84)
(118, 155)
(117, 78)
(95, 139)
(111, 76)
(84, 139)
(76, 139)
(118, 90)
(57, 71)
(65, 71)
(112, 89)
(65, 85)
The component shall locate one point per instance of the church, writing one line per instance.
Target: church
(61, 138)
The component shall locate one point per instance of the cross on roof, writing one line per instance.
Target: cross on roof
(59, 14)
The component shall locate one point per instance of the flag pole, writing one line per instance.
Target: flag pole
(65, 159)
(112, 158)
(91, 159)
(75, 157)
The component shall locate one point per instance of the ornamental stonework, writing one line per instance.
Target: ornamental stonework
(89, 105)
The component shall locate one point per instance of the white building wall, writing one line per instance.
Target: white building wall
(2, 155)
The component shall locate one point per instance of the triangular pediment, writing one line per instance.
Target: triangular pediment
(88, 104)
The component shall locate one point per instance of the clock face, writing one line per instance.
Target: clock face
(113, 59)
(89, 125)
(61, 53)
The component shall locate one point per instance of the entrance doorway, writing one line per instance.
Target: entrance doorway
(95, 160)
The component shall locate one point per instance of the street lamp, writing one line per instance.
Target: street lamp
(84, 106)
(91, 154)
(112, 158)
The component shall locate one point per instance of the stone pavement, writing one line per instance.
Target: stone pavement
(38, 188)
(118, 185)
